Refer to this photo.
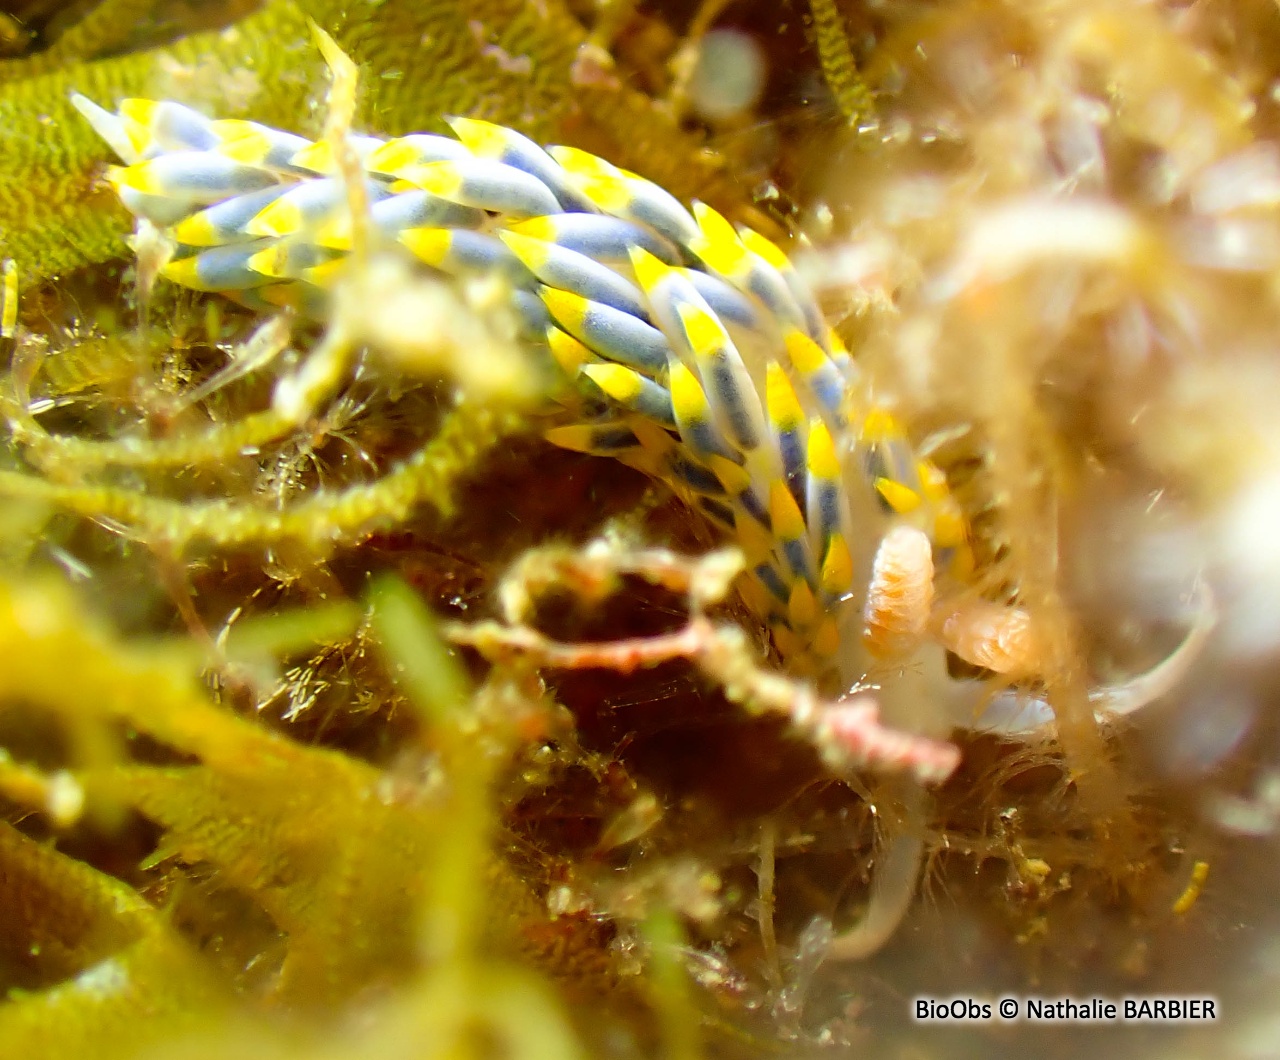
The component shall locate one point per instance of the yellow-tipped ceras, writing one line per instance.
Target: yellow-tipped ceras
(697, 351)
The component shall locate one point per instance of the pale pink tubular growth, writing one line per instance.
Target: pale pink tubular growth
(847, 734)
(851, 730)
(621, 656)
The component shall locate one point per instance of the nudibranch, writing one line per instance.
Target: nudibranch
(691, 349)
